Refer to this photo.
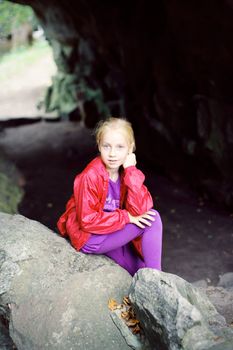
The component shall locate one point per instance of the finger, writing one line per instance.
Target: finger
(139, 224)
(151, 212)
(146, 222)
(149, 217)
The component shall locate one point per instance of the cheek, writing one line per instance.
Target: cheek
(125, 154)
(102, 154)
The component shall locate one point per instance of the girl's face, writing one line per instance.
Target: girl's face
(114, 147)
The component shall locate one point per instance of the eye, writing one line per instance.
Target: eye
(105, 146)
(120, 146)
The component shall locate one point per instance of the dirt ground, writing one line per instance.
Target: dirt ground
(20, 94)
(198, 236)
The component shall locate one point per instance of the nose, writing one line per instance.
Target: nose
(112, 152)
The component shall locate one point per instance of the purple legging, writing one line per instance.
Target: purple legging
(118, 246)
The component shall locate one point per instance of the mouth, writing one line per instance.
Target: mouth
(112, 161)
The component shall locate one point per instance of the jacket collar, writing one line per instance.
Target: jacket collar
(98, 164)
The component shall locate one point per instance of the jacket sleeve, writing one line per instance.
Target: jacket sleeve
(138, 198)
(90, 214)
(61, 224)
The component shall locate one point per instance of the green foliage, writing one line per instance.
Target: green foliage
(13, 15)
(68, 91)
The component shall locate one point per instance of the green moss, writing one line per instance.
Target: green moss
(68, 91)
(10, 195)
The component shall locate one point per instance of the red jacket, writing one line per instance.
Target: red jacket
(84, 211)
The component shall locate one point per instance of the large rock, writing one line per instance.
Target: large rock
(53, 296)
(226, 280)
(221, 295)
(222, 299)
(176, 315)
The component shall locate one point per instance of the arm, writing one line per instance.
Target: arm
(138, 200)
(90, 214)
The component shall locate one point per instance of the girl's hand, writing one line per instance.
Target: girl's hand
(130, 160)
(143, 219)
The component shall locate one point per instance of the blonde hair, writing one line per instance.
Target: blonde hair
(115, 123)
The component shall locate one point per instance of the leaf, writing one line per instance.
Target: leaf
(125, 315)
(112, 304)
(132, 312)
(132, 322)
(136, 329)
(126, 300)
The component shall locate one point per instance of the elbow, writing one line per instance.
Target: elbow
(137, 210)
(86, 222)
(85, 226)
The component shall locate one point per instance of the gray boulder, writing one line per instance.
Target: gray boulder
(221, 296)
(53, 296)
(226, 280)
(175, 315)
(222, 299)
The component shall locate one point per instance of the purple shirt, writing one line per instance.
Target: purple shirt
(113, 197)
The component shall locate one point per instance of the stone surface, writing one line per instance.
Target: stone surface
(176, 315)
(200, 284)
(221, 295)
(132, 340)
(226, 280)
(222, 299)
(56, 298)
(53, 296)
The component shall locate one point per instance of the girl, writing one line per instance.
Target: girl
(110, 211)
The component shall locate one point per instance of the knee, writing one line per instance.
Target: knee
(157, 218)
(156, 212)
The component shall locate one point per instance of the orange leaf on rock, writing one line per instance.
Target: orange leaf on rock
(125, 315)
(136, 329)
(132, 322)
(132, 313)
(126, 301)
(112, 304)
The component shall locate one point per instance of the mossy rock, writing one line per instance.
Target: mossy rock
(10, 192)
(10, 195)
